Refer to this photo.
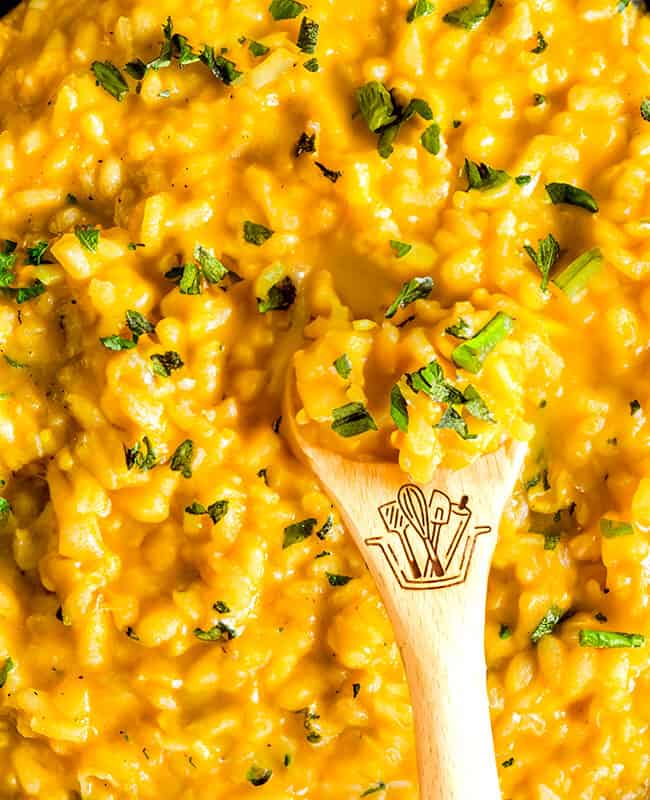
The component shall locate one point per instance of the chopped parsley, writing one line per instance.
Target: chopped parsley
(601, 639)
(483, 177)
(286, 9)
(308, 36)
(343, 366)
(565, 193)
(165, 57)
(508, 762)
(541, 45)
(645, 109)
(305, 144)
(117, 343)
(635, 406)
(430, 380)
(613, 528)
(213, 270)
(88, 237)
(476, 406)
(545, 258)
(217, 633)
(505, 631)
(430, 139)
(471, 354)
(280, 297)
(469, 16)
(422, 8)
(181, 460)
(312, 65)
(141, 455)
(415, 289)
(377, 787)
(136, 69)
(547, 624)
(6, 668)
(522, 180)
(7, 263)
(25, 293)
(298, 532)
(352, 419)
(138, 325)
(166, 363)
(216, 511)
(257, 49)
(35, 254)
(400, 249)
(221, 67)
(5, 508)
(338, 580)
(109, 77)
(190, 282)
(220, 607)
(399, 409)
(256, 234)
(574, 278)
(452, 420)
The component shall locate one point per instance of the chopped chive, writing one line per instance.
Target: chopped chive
(398, 409)
(352, 419)
(547, 624)
(602, 639)
(298, 532)
(471, 354)
(415, 289)
(613, 528)
(109, 77)
(574, 278)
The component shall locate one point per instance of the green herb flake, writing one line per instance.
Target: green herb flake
(452, 420)
(460, 330)
(380, 786)
(471, 354)
(539, 99)
(476, 406)
(308, 36)
(312, 65)
(35, 254)
(609, 639)
(281, 296)
(165, 57)
(217, 633)
(482, 177)
(635, 407)
(327, 527)
(541, 45)
(71, 199)
(613, 528)
(508, 762)
(88, 237)
(343, 366)
(422, 8)
(431, 381)
(287, 759)
(400, 249)
(522, 180)
(190, 282)
(166, 363)
(574, 278)
(298, 532)
(415, 289)
(338, 580)
(352, 419)
(141, 455)
(565, 193)
(256, 234)
(181, 460)
(548, 253)
(356, 688)
(136, 69)
(645, 109)
(213, 270)
(6, 668)
(305, 144)
(138, 325)
(331, 174)
(470, 16)
(286, 9)
(5, 509)
(399, 409)
(183, 51)
(256, 49)
(216, 511)
(109, 77)
(505, 631)
(547, 624)
(117, 343)
(26, 293)
(376, 105)
(221, 67)
(220, 607)
(430, 139)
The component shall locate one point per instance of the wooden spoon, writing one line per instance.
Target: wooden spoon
(429, 550)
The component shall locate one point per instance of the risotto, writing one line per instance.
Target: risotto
(438, 215)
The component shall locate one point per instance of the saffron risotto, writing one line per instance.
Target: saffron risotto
(440, 217)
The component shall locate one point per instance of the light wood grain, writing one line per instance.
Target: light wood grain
(440, 631)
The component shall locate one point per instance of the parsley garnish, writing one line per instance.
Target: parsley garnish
(338, 580)
(384, 116)
(571, 195)
(549, 252)
(7, 263)
(5, 508)
(327, 527)
(547, 624)
(356, 688)
(306, 144)
(430, 139)
(471, 354)
(378, 787)
(430, 380)
(216, 511)
(476, 406)
(645, 109)
(508, 762)
(452, 419)
(221, 67)
(400, 249)
(217, 633)
(141, 455)
(181, 460)
(117, 343)
(138, 325)
(343, 366)
(522, 180)
(165, 363)
(602, 639)
(415, 289)
(35, 254)
(5, 670)
(256, 234)
(298, 532)
(220, 607)
(280, 297)
(461, 329)
(613, 528)
(574, 278)
(88, 237)
(286, 9)
(539, 99)
(541, 43)
(331, 174)
(26, 293)
(483, 177)
(257, 49)
(399, 409)
(352, 419)
(190, 282)
(312, 65)
(505, 631)
(165, 57)
(109, 77)
(308, 36)
(422, 8)
(470, 16)
(136, 69)
(634, 407)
